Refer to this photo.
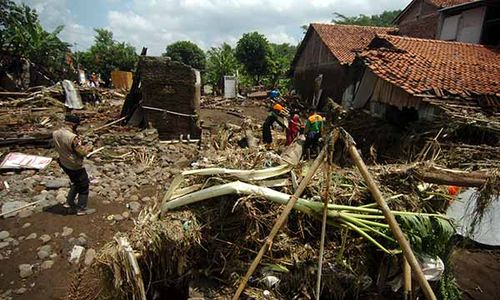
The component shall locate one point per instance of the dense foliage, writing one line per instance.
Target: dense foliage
(188, 53)
(254, 52)
(22, 36)
(107, 55)
(221, 61)
(382, 20)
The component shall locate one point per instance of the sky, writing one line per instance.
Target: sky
(157, 23)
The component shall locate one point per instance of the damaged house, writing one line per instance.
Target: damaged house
(421, 17)
(408, 79)
(328, 49)
(474, 22)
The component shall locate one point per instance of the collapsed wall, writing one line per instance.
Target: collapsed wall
(170, 97)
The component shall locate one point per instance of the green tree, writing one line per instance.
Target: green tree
(281, 59)
(22, 35)
(382, 20)
(107, 55)
(188, 53)
(221, 61)
(254, 53)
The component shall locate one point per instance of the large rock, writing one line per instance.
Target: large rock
(10, 206)
(47, 264)
(57, 183)
(66, 231)
(89, 256)
(25, 270)
(4, 234)
(134, 206)
(44, 252)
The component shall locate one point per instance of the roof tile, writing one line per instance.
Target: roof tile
(342, 40)
(420, 65)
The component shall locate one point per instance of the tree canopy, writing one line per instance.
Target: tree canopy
(382, 20)
(254, 53)
(188, 53)
(107, 55)
(281, 59)
(221, 61)
(22, 35)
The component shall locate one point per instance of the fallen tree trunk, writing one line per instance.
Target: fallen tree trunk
(443, 176)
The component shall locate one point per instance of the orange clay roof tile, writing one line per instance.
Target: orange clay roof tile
(342, 40)
(420, 65)
(448, 3)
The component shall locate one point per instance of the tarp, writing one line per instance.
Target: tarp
(24, 161)
(122, 79)
(73, 99)
(487, 232)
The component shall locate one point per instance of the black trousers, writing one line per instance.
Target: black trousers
(79, 185)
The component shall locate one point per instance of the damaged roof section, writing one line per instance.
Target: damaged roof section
(343, 40)
(436, 68)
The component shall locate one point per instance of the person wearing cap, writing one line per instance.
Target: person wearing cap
(71, 154)
(313, 130)
(272, 117)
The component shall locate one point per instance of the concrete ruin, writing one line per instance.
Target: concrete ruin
(168, 99)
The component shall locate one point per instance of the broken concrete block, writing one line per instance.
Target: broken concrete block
(75, 254)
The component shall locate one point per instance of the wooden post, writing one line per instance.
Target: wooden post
(389, 217)
(407, 279)
(281, 219)
(328, 169)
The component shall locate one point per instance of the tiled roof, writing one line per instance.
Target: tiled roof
(343, 39)
(448, 3)
(422, 66)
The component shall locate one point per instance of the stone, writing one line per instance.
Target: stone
(10, 206)
(4, 234)
(146, 199)
(4, 244)
(45, 238)
(56, 183)
(20, 291)
(134, 206)
(89, 256)
(44, 252)
(82, 241)
(66, 231)
(134, 198)
(15, 243)
(47, 264)
(117, 217)
(25, 270)
(26, 225)
(126, 214)
(61, 198)
(32, 236)
(25, 213)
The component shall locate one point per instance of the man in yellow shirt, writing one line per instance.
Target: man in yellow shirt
(313, 131)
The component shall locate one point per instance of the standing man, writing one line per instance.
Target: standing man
(272, 117)
(71, 155)
(313, 131)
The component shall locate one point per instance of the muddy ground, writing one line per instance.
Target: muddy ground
(119, 191)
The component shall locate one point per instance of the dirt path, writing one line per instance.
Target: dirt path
(477, 273)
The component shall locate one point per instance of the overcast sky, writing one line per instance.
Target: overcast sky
(157, 23)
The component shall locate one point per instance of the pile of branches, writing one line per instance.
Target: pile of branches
(227, 230)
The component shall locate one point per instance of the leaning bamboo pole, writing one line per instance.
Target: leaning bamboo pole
(328, 172)
(281, 219)
(389, 217)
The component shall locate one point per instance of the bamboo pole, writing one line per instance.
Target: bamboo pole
(407, 279)
(328, 170)
(389, 217)
(281, 219)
